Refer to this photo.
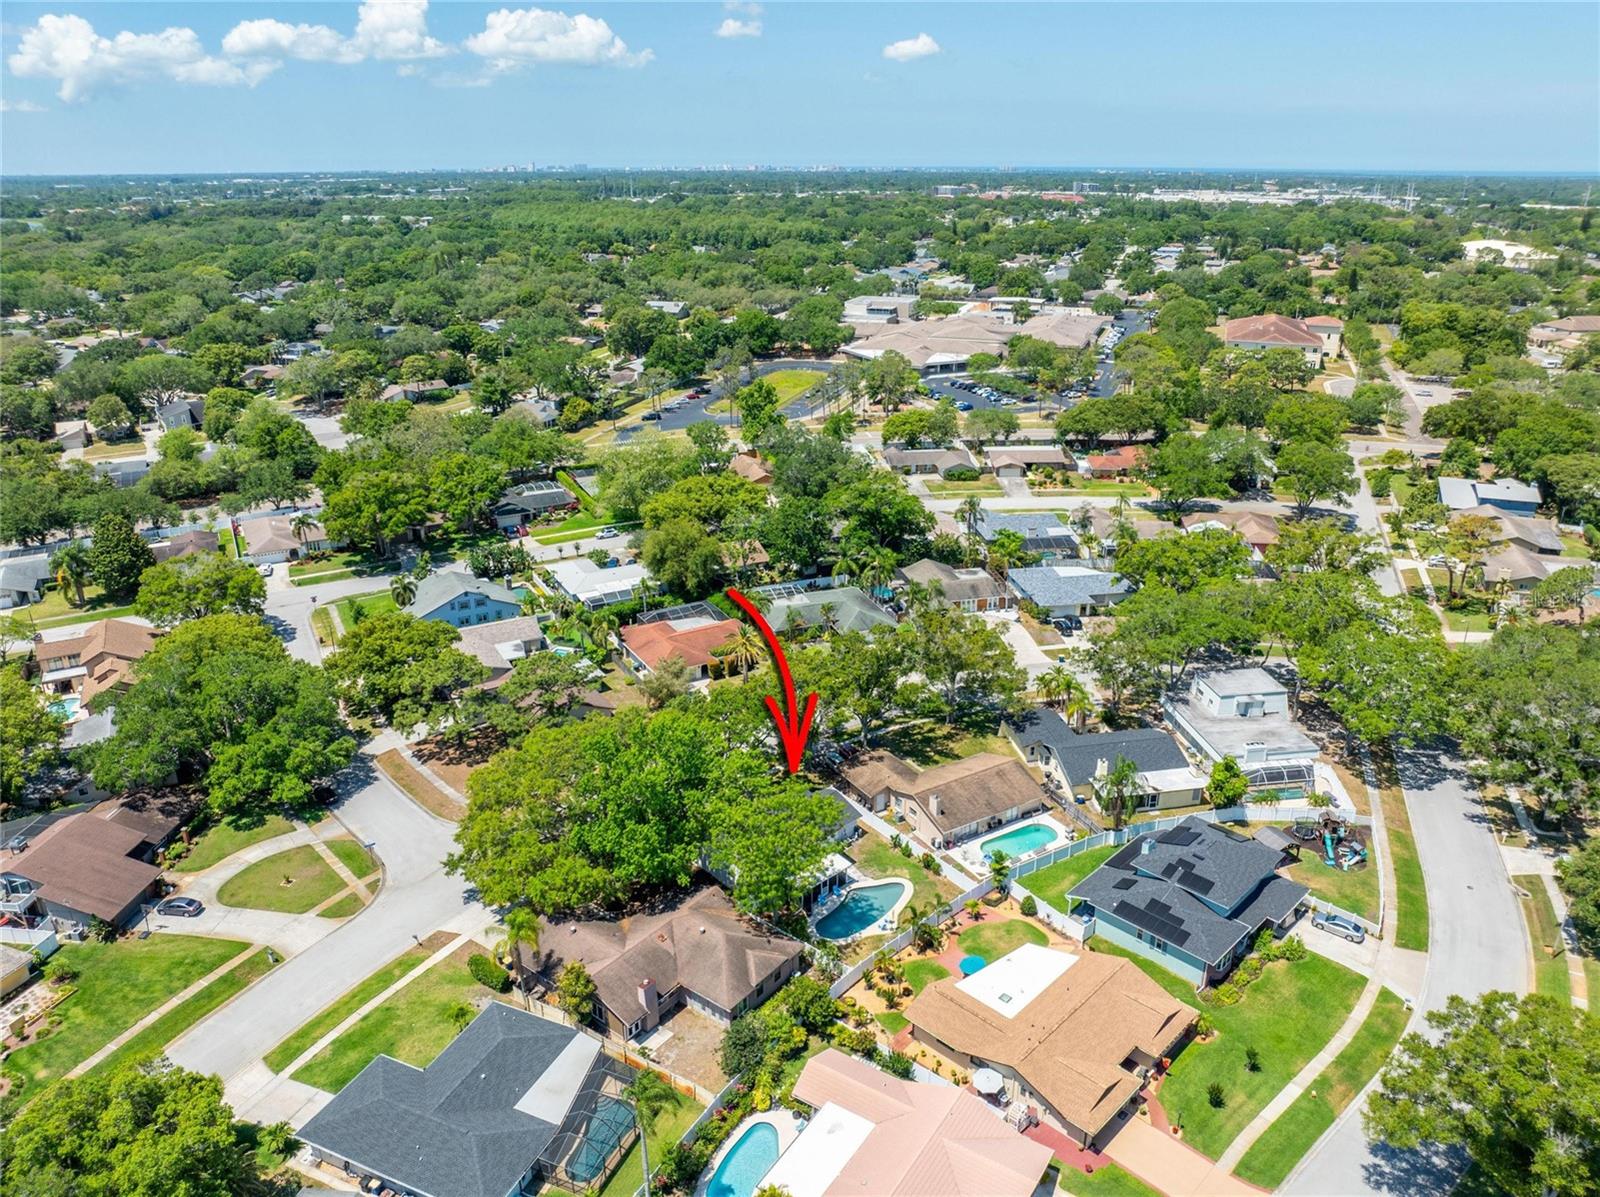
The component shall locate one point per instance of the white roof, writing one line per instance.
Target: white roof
(814, 1160)
(583, 579)
(1166, 780)
(1232, 683)
(550, 1097)
(1461, 493)
(1022, 974)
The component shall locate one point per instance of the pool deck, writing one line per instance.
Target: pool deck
(785, 1122)
(891, 917)
(970, 856)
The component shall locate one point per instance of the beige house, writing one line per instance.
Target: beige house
(1075, 1034)
(1318, 337)
(95, 661)
(273, 539)
(950, 802)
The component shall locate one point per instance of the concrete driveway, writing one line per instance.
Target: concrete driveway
(417, 899)
(1476, 942)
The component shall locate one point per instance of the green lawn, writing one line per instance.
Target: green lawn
(375, 602)
(1050, 884)
(1100, 486)
(1108, 1180)
(994, 940)
(1549, 950)
(342, 1008)
(792, 383)
(1290, 1011)
(261, 886)
(1356, 890)
(1273, 1156)
(347, 559)
(224, 839)
(414, 1026)
(892, 1021)
(982, 488)
(118, 984)
(878, 859)
(178, 1020)
(322, 625)
(922, 973)
(578, 521)
(230, 542)
(670, 1125)
(346, 906)
(56, 607)
(1411, 894)
(353, 857)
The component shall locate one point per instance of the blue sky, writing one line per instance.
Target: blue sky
(398, 84)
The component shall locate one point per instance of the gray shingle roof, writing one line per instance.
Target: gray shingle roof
(436, 590)
(1064, 586)
(1156, 883)
(451, 1129)
(1149, 748)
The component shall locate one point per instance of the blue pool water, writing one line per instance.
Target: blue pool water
(746, 1163)
(1019, 841)
(861, 908)
(970, 965)
(66, 707)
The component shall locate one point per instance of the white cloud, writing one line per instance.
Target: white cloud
(513, 37)
(68, 50)
(278, 39)
(388, 29)
(911, 48)
(733, 27)
(396, 29)
(21, 106)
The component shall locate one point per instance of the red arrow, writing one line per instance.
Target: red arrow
(794, 726)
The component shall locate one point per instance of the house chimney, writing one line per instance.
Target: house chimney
(935, 806)
(647, 996)
(1102, 767)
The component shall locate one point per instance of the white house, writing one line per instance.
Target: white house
(600, 585)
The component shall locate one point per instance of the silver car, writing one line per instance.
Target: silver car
(1337, 924)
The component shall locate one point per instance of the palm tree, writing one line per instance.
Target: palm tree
(522, 931)
(402, 589)
(746, 649)
(1005, 551)
(828, 617)
(602, 626)
(71, 564)
(1079, 705)
(970, 509)
(302, 527)
(649, 1095)
(1055, 683)
(1118, 791)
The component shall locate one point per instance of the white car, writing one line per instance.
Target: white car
(607, 534)
(264, 570)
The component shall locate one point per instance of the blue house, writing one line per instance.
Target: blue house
(1192, 898)
(461, 600)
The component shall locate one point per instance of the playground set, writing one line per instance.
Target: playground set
(1343, 843)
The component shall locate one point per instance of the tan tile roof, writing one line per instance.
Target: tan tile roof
(83, 863)
(1254, 526)
(927, 1140)
(1271, 329)
(653, 643)
(1068, 1043)
(276, 534)
(700, 942)
(748, 464)
(105, 650)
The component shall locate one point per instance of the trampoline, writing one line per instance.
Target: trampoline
(971, 964)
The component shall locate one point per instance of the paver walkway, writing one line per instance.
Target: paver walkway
(1161, 1159)
(171, 1003)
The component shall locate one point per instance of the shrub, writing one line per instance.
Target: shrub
(896, 1064)
(961, 474)
(1203, 1026)
(1226, 994)
(488, 974)
(59, 972)
(929, 861)
(907, 850)
(1029, 906)
(1214, 1095)
(1252, 1060)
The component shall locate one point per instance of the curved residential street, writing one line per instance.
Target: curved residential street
(1476, 942)
(417, 898)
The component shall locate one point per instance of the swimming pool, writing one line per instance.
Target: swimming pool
(1020, 841)
(746, 1163)
(862, 907)
(67, 706)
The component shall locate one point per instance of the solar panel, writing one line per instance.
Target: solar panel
(1181, 836)
(1156, 924)
(1125, 883)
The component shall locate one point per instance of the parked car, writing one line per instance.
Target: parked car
(264, 570)
(181, 908)
(607, 534)
(651, 415)
(964, 405)
(1424, 394)
(1068, 623)
(1337, 924)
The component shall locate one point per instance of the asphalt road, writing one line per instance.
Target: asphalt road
(696, 411)
(1476, 943)
(417, 898)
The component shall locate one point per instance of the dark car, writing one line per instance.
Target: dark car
(181, 908)
(651, 415)
(964, 405)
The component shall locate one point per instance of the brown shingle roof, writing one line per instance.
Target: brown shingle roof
(701, 943)
(964, 791)
(105, 650)
(748, 464)
(83, 863)
(1068, 1043)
